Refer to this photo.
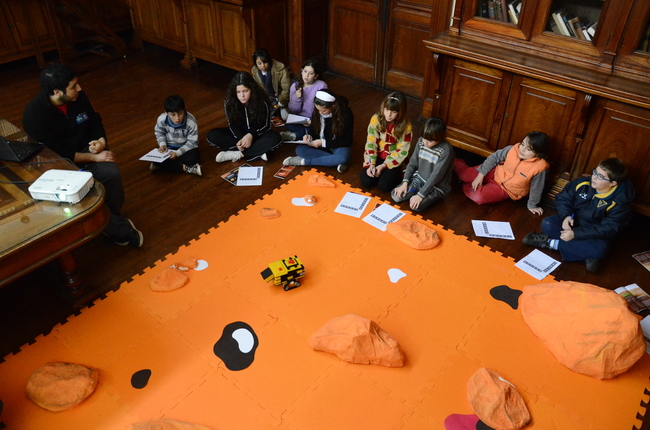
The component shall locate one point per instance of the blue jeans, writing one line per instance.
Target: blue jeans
(574, 250)
(318, 157)
(299, 129)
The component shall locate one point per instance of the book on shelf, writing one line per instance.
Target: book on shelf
(553, 26)
(576, 27)
(592, 29)
(585, 32)
(503, 4)
(484, 9)
(512, 12)
(567, 24)
(491, 9)
(560, 24)
(645, 46)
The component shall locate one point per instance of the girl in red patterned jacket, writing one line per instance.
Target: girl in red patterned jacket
(389, 140)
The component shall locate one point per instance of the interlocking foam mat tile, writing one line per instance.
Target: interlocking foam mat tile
(441, 312)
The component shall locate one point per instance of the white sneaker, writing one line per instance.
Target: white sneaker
(229, 156)
(264, 157)
(288, 135)
(194, 170)
(292, 161)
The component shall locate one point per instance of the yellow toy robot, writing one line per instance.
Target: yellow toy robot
(285, 272)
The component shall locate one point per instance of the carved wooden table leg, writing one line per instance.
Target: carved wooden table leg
(75, 287)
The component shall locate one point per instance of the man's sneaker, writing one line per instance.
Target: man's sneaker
(342, 168)
(153, 166)
(288, 135)
(292, 161)
(229, 156)
(264, 157)
(194, 170)
(134, 238)
(538, 240)
(593, 264)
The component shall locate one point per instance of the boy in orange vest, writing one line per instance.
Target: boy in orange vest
(512, 172)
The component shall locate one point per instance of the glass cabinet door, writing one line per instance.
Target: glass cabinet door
(575, 18)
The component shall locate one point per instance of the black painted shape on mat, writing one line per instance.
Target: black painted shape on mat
(227, 347)
(140, 379)
(480, 425)
(507, 295)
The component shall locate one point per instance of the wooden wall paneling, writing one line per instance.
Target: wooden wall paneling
(620, 130)
(354, 38)
(7, 44)
(539, 106)
(629, 59)
(171, 23)
(235, 37)
(316, 19)
(405, 52)
(297, 34)
(474, 112)
(37, 17)
(269, 29)
(145, 16)
(203, 31)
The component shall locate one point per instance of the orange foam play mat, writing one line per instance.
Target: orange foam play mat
(441, 313)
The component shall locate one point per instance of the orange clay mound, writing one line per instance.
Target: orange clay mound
(188, 263)
(495, 401)
(165, 425)
(269, 213)
(414, 234)
(168, 280)
(588, 329)
(60, 386)
(319, 181)
(358, 340)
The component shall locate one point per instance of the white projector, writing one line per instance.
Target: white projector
(69, 186)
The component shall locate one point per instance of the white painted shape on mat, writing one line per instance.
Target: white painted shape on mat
(244, 339)
(300, 201)
(201, 265)
(395, 275)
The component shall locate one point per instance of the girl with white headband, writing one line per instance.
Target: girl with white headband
(330, 134)
(389, 140)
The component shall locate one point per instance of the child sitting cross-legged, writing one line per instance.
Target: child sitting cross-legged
(176, 130)
(427, 177)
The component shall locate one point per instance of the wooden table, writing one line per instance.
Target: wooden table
(35, 232)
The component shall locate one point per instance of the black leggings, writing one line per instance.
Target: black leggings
(223, 138)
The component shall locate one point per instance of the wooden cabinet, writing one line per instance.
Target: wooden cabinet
(223, 32)
(379, 41)
(28, 25)
(493, 80)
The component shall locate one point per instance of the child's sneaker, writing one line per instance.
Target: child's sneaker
(292, 161)
(264, 157)
(342, 168)
(288, 135)
(153, 167)
(194, 170)
(229, 156)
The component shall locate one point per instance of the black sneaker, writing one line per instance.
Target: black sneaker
(342, 168)
(134, 237)
(538, 240)
(593, 264)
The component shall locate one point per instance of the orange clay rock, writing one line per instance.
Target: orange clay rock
(589, 329)
(60, 386)
(186, 264)
(168, 280)
(358, 340)
(165, 425)
(414, 234)
(319, 181)
(496, 401)
(269, 213)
